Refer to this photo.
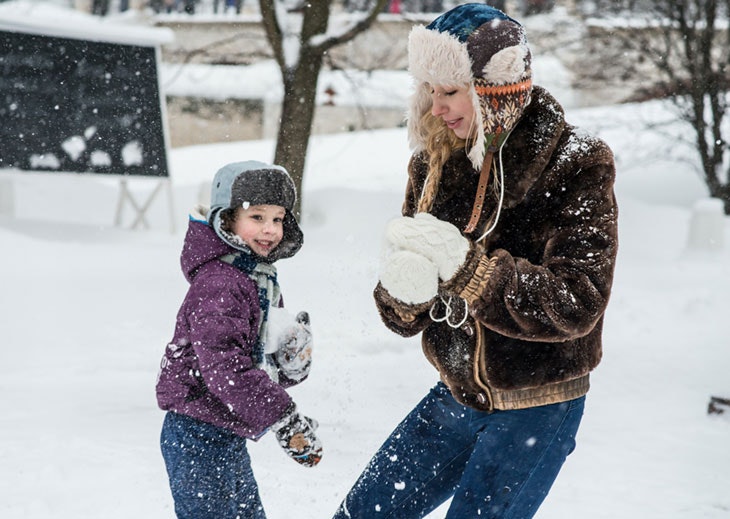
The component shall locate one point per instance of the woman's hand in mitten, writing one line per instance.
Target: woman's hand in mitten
(409, 277)
(439, 241)
(294, 354)
(296, 435)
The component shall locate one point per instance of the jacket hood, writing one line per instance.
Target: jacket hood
(201, 246)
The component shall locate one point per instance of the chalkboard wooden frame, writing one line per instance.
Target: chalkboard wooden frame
(80, 106)
(87, 100)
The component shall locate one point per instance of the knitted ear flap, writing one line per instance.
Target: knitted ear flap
(501, 107)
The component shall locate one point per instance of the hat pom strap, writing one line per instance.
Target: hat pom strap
(480, 197)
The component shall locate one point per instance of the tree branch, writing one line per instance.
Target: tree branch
(361, 26)
(270, 21)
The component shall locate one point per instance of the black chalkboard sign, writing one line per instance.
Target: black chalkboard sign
(72, 105)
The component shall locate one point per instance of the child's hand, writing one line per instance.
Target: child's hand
(294, 353)
(296, 436)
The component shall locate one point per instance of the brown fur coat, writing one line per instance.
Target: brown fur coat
(537, 286)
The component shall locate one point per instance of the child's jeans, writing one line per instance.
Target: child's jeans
(498, 465)
(209, 470)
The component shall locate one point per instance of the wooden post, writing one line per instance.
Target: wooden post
(140, 209)
(718, 405)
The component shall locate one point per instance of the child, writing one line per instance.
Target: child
(235, 350)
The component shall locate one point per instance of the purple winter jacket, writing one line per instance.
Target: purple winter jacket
(208, 371)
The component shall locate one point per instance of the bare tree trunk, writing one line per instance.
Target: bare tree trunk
(297, 116)
(300, 74)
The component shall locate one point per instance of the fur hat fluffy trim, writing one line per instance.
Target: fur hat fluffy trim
(248, 183)
(438, 58)
(435, 57)
(507, 66)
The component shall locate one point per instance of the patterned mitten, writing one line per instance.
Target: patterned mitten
(409, 277)
(294, 354)
(437, 240)
(296, 436)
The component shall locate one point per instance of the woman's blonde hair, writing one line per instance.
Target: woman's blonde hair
(440, 144)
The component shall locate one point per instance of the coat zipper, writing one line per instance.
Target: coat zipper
(479, 364)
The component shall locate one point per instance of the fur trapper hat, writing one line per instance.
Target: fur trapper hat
(479, 46)
(243, 184)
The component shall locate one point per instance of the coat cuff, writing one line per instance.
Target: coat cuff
(403, 318)
(470, 281)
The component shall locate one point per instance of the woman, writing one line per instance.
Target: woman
(503, 261)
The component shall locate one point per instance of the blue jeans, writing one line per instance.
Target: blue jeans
(209, 470)
(498, 465)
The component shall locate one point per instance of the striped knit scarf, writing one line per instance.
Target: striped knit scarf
(264, 275)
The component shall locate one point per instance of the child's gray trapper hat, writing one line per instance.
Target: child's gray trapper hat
(243, 184)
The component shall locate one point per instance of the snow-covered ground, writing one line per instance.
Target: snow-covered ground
(88, 307)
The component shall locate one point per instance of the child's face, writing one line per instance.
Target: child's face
(260, 226)
(454, 105)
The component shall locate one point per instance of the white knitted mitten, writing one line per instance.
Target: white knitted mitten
(409, 277)
(437, 240)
